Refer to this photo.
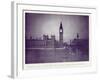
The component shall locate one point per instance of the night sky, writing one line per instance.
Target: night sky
(36, 25)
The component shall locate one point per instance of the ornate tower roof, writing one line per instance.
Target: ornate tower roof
(61, 27)
(77, 36)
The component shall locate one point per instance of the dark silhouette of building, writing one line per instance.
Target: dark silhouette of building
(61, 34)
(46, 42)
(51, 42)
(81, 44)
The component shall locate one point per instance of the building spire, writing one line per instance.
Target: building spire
(61, 25)
(77, 36)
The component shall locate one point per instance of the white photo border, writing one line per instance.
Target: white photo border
(20, 69)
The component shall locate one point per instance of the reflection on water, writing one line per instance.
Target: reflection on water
(55, 55)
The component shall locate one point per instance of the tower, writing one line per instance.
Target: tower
(77, 36)
(61, 34)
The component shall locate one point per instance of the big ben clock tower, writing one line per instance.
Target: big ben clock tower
(61, 33)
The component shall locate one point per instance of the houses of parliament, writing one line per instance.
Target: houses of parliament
(47, 42)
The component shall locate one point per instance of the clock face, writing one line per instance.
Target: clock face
(60, 30)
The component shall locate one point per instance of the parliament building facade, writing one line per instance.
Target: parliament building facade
(51, 42)
(46, 42)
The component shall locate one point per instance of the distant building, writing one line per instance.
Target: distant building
(80, 43)
(46, 42)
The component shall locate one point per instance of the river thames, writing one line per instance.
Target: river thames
(55, 55)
